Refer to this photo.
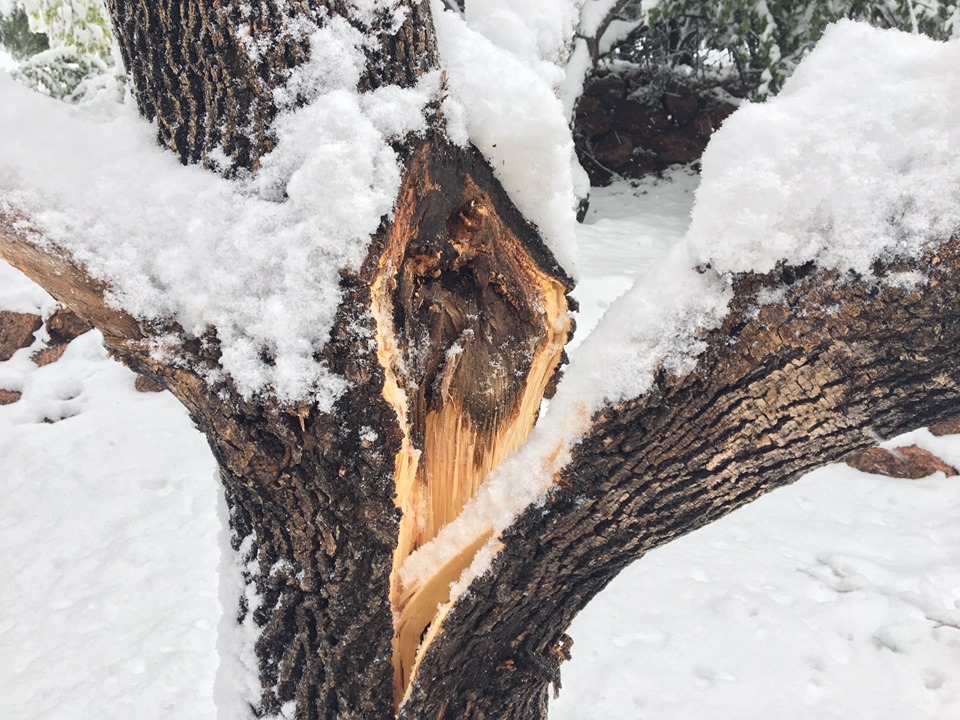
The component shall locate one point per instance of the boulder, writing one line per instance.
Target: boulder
(607, 89)
(64, 325)
(950, 427)
(682, 105)
(910, 462)
(593, 124)
(613, 150)
(640, 119)
(16, 331)
(49, 355)
(679, 146)
(711, 120)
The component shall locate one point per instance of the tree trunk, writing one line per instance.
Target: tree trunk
(449, 336)
(206, 70)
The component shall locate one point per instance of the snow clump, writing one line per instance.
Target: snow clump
(857, 158)
(258, 259)
(505, 70)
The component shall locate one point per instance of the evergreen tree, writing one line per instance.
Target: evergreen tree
(75, 56)
(766, 39)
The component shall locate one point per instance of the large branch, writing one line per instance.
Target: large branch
(782, 388)
(65, 279)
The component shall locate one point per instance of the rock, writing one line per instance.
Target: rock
(16, 331)
(64, 325)
(951, 427)
(49, 355)
(8, 397)
(683, 105)
(680, 146)
(710, 121)
(608, 88)
(593, 124)
(146, 384)
(909, 462)
(643, 163)
(587, 104)
(640, 119)
(613, 150)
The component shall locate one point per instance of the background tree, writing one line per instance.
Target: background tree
(353, 598)
(761, 42)
(65, 47)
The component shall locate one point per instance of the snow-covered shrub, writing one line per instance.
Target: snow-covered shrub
(16, 36)
(79, 57)
(764, 40)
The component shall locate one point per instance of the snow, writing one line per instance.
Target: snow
(258, 259)
(108, 541)
(837, 597)
(832, 598)
(7, 62)
(504, 81)
(857, 158)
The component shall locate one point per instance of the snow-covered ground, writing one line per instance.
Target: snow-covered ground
(836, 598)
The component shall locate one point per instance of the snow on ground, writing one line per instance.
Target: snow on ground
(6, 60)
(108, 548)
(836, 598)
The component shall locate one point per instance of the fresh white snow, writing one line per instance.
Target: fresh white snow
(839, 597)
(836, 597)
(505, 70)
(108, 547)
(858, 157)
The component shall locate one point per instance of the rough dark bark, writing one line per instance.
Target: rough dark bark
(206, 70)
(317, 508)
(324, 505)
(781, 390)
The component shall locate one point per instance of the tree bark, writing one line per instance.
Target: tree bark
(468, 315)
(206, 70)
(781, 389)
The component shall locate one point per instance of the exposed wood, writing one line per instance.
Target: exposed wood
(472, 317)
(782, 389)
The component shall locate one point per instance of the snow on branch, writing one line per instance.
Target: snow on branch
(258, 258)
(857, 159)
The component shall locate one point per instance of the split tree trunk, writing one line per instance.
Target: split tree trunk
(469, 315)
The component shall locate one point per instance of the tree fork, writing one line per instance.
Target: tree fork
(325, 506)
(470, 315)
